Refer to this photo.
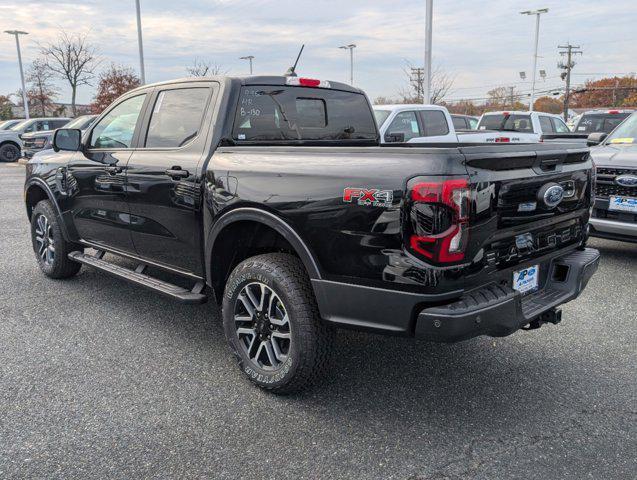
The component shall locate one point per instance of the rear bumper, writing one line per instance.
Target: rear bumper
(494, 309)
(497, 310)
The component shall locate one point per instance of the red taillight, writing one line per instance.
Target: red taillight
(502, 140)
(448, 245)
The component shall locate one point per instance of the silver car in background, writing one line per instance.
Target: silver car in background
(615, 212)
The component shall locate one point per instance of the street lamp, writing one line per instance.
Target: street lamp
(429, 13)
(351, 48)
(249, 58)
(537, 14)
(140, 43)
(17, 34)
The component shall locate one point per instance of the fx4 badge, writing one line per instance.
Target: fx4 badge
(368, 197)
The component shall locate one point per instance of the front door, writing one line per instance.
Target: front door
(164, 177)
(96, 176)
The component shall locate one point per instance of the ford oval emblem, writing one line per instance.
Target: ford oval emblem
(626, 180)
(551, 194)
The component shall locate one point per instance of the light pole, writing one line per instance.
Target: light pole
(351, 48)
(249, 58)
(429, 10)
(537, 14)
(17, 34)
(140, 43)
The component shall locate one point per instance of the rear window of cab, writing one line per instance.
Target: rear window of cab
(284, 114)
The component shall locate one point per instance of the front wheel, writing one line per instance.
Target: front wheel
(272, 324)
(9, 153)
(50, 247)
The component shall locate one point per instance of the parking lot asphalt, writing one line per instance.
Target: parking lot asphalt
(99, 379)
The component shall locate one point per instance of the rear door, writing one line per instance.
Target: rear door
(164, 176)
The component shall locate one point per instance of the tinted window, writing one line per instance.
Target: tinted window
(53, 124)
(405, 123)
(435, 123)
(312, 112)
(279, 114)
(559, 125)
(600, 122)
(510, 123)
(176, 117)
(459, 123)
(545, 124)
(116, 129)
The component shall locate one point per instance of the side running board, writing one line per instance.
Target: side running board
(138, 277)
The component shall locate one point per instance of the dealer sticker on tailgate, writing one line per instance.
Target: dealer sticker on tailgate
(526, 280)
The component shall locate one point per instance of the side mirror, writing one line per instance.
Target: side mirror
(395, 137)
(68, 139)
(596, 138)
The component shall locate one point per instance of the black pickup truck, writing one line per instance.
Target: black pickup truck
(273, 195)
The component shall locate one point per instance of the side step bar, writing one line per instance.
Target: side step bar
(138, 277)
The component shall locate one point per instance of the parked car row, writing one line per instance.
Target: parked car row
(26, 137)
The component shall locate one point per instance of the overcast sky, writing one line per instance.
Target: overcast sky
(482, 44)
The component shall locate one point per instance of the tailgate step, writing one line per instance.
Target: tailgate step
(137, 277)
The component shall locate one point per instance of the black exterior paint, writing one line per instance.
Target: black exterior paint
(125, 202)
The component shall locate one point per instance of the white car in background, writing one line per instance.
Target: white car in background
(417, 123)
(529, 127)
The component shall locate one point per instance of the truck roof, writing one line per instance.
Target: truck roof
(254, 80)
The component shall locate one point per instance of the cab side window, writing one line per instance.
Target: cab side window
(176, 117)
(116, 129)
(435, 123)
(406, 123)
(559, 125)
(546, 125)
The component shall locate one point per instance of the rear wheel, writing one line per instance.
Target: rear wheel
(272, 324)
(9, 153)
(50, 247)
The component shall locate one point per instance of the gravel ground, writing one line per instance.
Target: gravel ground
(99, 379)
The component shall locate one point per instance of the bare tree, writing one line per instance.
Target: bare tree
(441, 84)
(203, 68)
(41, 91)
(73, 59)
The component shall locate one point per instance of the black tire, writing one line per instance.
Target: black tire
(56, 263)
(308, 354)
(9, 152)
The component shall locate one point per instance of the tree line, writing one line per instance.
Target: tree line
(73, 60)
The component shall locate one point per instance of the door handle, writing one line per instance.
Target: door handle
(177, 173)
(114, 170)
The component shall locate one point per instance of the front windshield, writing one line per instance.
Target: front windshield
(18, 126)
(626, 132)
(80, 123)
(7, 124)
(381, 116)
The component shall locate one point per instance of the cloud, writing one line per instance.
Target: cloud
(482, 44)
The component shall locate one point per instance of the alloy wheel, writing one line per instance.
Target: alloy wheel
(44, 242)
(262, 326)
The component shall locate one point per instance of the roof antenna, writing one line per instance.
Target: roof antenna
(291, 71)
